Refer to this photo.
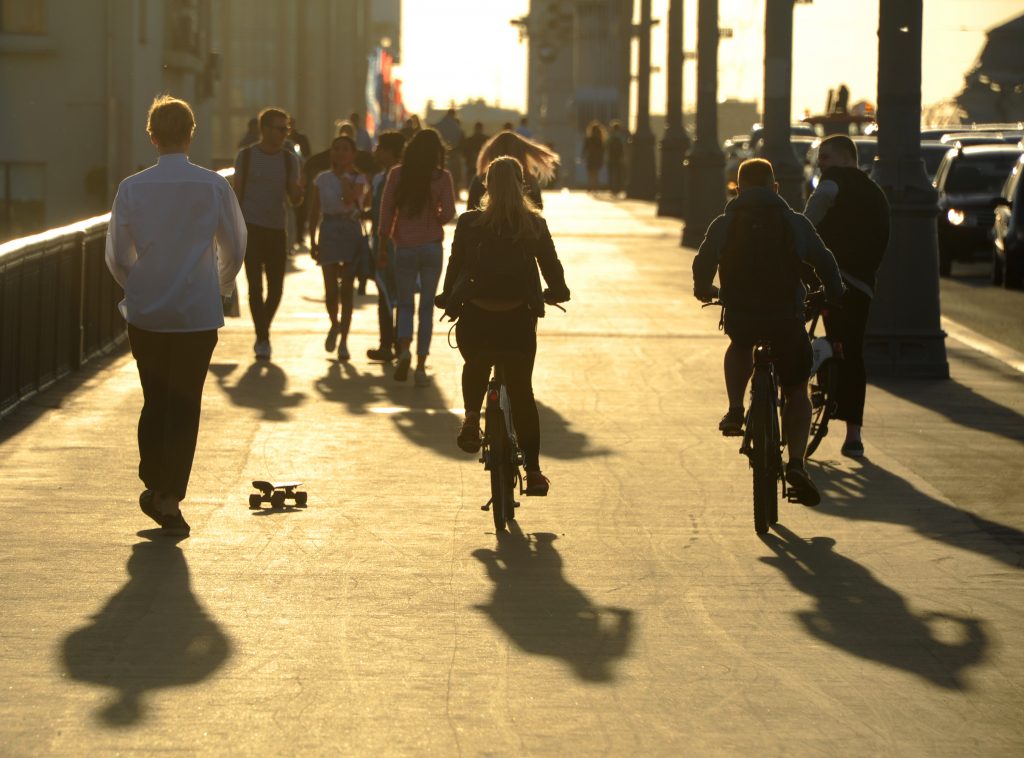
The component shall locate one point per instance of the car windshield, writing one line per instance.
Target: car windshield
(980, 173)
(932, 156)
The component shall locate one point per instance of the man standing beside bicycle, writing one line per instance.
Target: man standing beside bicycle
(852, 216)
(759, 247)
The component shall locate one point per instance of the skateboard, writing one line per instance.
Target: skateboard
(276, 493)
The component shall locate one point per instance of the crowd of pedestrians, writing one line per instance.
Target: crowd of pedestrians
(404, 185)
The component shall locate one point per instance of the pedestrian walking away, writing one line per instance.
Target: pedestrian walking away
(539, 164)
(616, 158)
(499, 248)
(175, 242)
(471, 147)
(418, 201)
(388, 154)
(852, 216)
(266, 177)
(759, 246)
(593, 154)
(336, 237)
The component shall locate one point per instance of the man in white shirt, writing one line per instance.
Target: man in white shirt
(175, 242)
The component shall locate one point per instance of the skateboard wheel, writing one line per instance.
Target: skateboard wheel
(255, 501)
(300, 499)
(277, 499)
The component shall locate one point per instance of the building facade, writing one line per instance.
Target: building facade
(578, 69)
(308, 57)
(77, 78)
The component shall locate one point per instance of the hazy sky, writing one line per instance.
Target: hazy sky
(831, 44)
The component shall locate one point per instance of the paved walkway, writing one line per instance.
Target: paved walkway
(636, 613)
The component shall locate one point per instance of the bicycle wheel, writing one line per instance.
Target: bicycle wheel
(773, 456)
(501, 469)
(760, 458)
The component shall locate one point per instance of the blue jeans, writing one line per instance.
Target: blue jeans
(423, 261)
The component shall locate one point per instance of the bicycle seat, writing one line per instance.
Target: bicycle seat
(763, 352)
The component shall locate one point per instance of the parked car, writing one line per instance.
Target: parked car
(969, 180)
(980, 138)
(1008, 231)
(932, 153)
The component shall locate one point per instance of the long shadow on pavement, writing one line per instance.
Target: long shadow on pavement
(421, 413)
(152, 634)
(857, 613)
(871, 493)
(544, 614)
(960, 404)
(262, 387)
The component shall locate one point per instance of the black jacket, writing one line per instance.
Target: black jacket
(856, 227)
(473, 244)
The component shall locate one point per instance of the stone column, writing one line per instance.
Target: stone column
(904, 334)
(778, 78)
(705, 191)
(642, 184)
(675, 142)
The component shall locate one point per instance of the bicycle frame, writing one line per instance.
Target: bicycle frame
(500, 452)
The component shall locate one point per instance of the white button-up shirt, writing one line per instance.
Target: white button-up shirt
(175, 243)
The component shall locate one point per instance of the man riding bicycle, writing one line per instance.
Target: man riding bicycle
(760, 248)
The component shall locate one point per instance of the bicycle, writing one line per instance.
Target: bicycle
(500, 452)
(824, 377)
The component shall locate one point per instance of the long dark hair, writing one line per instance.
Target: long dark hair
(423, 156)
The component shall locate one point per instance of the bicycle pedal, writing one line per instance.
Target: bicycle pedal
(486, 507)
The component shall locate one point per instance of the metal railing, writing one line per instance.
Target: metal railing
(58, 307)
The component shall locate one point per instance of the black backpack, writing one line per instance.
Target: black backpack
(759, 267)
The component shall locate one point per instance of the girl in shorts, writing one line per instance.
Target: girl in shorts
(337, 236)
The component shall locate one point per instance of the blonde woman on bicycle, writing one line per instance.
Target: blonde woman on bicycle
(501, 246)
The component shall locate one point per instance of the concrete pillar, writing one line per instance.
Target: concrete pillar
(778, 78)
(705, 166)
(904, 334)
(642, 184)
(675, 142)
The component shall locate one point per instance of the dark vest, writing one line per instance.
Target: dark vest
(856, 227)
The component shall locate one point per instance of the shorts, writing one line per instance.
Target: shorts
(341, 240)
(791, 349)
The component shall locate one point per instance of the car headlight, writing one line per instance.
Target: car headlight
(956, 217)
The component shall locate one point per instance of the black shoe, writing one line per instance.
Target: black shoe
(175, 525)
(147, 502)
(382, 354)
(804, 491)
(470, 439)
(402, 367)
(731, 424)
(537, 485)
(853, 449)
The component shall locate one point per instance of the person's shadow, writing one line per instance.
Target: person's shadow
(544, 614)
(152, 634)
(871, 493)
(857, 613)
(262, 387)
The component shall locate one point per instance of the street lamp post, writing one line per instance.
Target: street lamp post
(904, 336)
(675, 142)
(642, 183)
(705, 192)
(778, 80)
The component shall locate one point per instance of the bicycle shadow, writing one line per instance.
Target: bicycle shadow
(862, 616)
(262, 387)
(893, 500)
(544, 614)
(150, 635)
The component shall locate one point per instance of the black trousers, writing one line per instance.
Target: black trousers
(265, 251)
(480, 331)
(386, 319)
(848, 326)
(172, 368)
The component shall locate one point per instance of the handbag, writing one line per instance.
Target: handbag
(463, 290)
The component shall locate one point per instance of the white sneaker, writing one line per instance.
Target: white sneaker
(262, 349)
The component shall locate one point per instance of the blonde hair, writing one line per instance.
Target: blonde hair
(170, 121)
(533, 157)
(506, 208)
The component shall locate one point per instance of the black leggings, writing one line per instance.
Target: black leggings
(848, 326)
(264, 251)
(481, 331)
